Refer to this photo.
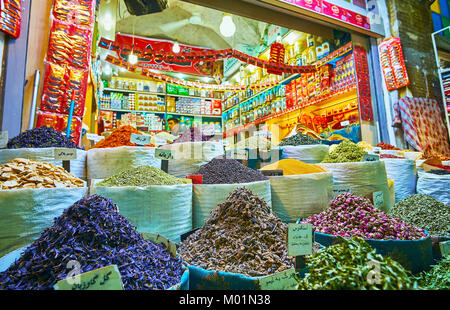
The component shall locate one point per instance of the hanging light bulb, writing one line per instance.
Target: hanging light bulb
(107, 21)
(176, 48)
(132, 59)
(227, 27)
(107, 70)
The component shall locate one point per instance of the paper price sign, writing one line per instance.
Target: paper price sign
(285, 280)
(106, 278)
(378, 199)
(140, 139)
(377, 150)
(163, 154)
(65, 154)
(240, 154)
(341, 189)
(445, 248)
(3, 139)
(160, 141)
(345, 123)
(300, 239)
(371, 157)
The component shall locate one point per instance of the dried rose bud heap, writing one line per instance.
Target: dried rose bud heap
(25, 173)
(350, 216)
(241, 236)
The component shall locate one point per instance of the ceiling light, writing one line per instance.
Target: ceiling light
(180, 75)
(227, 27)
(107, 70)
(132, 59)
(176, 48)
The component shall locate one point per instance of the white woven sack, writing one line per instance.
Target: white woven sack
(310, 154)
(77, 166)
(403, 173)
(206, 197)
(437, 186)
(156, 209)
(105, 162)
(300, 196)
(364, 178)
(190, 156)
(25, 213)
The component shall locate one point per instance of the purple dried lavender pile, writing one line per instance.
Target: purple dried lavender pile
(93, 232)
(39, 138)
(192, 135)
(350, 216)
(228, 171)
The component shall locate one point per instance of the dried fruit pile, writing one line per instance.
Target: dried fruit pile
(25, 173)
(352, 264)
(425, 212)
(93, 233)
(228, 171)
(142, 176)
(39, 138)
(350, 216)
(241, 236)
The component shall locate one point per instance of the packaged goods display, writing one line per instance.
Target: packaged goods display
(293, 167)
(345, 152)
(24, 173)
(142, 176)
(241, 236)
(349, 265)
(228, 171)
(425, 212)
(119, 137)
(350, 216)
(40, 138)
(142, 264)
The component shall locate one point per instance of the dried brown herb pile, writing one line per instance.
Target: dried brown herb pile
(241, 236)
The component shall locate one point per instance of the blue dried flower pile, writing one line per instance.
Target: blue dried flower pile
(39, 138)
(93, 233)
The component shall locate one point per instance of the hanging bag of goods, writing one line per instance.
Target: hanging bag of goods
(152, 200)
(241, 242)
(434, 185)
(220, 177)
(353, 216)
(403, 173)
(303, 148)
(40, 144)
(31, 195)
(116, 153)
(188, 157)
(302, 191)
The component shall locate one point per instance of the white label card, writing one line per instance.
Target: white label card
(345, 123)
(163, 154)
(341, 189)
(240, 154)
(285, 280)
(371, 157)
(65, 154)
(3, 139)
(140, 139)
(300, 239)
(159, 141)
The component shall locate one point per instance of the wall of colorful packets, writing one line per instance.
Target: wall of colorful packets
(393, 64)
(67, 65)
(10, 17)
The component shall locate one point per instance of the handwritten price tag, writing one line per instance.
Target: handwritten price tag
(300, 239)
(159, 141)
(378, 199)
(371, 157)
(240, 154)
(345, 123)
(3, 139)
(140, 139)
(377, 150)
(163, 154)
(285, 280)
(445, 248)
(65, 154)
(106, 278)
(341, 189)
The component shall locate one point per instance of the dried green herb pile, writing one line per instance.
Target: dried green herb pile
(241, 236)
(141, 176)
(299, 139)
(425, 212)
(345, 152)
(438, 278)
(352, 264)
